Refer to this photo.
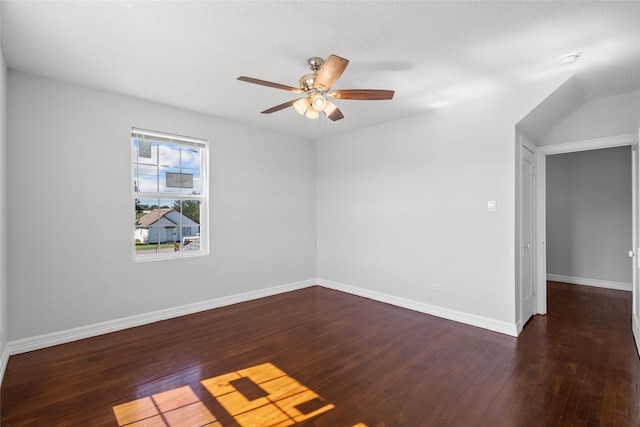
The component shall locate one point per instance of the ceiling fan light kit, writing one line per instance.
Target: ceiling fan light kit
(318, 102)
(312, 114)
(301, 105)
(316, 86)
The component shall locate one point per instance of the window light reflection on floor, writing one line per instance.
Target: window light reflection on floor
(279, 406)
(259, 396)
(179, 407)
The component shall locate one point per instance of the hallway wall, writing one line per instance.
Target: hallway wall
(589, 215)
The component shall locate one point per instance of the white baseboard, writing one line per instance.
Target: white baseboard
(636, 331)
(61, 337)
(609, 284)
(445, 313)
(4, 359)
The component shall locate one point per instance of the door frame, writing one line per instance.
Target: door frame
(635, 291)
(541, 195)
(525, 144)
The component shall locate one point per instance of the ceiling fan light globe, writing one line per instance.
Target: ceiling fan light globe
(301, 106)
(318, 102)
(312, 114)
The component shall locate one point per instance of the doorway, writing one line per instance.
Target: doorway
(541, 200)
(589, 218)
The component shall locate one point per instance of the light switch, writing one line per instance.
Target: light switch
(491, 206)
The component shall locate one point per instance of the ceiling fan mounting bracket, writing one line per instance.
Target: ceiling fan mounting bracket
(315, 63)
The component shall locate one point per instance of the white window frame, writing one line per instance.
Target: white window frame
(203, 197)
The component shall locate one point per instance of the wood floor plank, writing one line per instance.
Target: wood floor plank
(355, 361)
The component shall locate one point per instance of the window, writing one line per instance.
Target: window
(169, 194)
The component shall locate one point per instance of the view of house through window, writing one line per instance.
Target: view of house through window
(169, 195)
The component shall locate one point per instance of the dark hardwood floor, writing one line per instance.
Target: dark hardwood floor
(318, 357)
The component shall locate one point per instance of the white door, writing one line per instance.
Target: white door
(527, 283)
(634, 253)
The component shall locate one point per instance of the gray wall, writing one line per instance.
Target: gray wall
(604, 117)
(589, 214)
(3, 205)
(404, 204)
(70, 210)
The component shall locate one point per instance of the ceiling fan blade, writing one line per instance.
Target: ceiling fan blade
(330, 71)
(279, 107)
(270, 84)
(333, 112)
(362, 94)
(336, 115)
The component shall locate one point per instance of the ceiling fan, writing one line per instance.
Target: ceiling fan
(316, 85)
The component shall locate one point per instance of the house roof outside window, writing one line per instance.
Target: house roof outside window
(164, 217)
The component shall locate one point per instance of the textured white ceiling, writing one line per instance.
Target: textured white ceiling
(433, 54)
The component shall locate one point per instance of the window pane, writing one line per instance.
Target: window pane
(166, 225)
(145, 165)
(190, 225)
(166, 168)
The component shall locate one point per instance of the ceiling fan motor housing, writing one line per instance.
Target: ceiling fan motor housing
(306, 81)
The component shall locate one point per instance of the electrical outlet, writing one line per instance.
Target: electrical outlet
(436, 287)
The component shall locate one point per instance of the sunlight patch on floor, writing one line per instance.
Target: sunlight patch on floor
(259, 396)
